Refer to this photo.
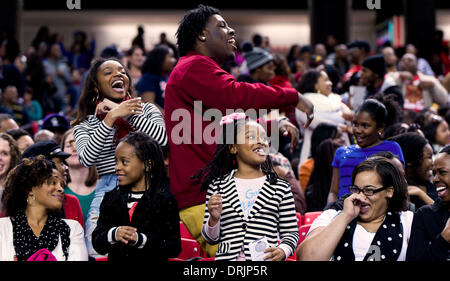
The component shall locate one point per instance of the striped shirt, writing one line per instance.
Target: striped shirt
(348, 157)
(95, 142)
(272, 215)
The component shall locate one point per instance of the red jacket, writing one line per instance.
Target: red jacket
(72, 209)
(200, 78)
(283, 82)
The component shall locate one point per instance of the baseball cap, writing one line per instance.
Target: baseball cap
(54, 122)
(48, 148)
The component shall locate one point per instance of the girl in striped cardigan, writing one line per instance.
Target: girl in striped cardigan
(246, 200)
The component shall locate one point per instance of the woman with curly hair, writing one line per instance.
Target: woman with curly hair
(33, 200)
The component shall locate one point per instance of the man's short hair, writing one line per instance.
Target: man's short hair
(192, 24)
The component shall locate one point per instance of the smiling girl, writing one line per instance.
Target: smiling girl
(107, 113)
(246, 200)
(430, 233)
(139, 219)
(368, 126)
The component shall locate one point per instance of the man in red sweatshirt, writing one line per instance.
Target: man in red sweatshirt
(205, 41)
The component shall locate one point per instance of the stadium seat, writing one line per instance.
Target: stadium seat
(292, 258)
(185, 232)
(189, 249)
(207, 259)
(309, 217)
(300, 219)
(303, 230)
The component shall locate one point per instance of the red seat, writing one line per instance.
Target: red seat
(303, 230)
(292, 258)
(102, 259)
(189, 249)
(72, 209)
(185, 232)
(299, 218)
(207, 259)
(309, 217)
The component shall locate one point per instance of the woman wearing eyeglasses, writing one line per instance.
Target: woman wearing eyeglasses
(373, 224)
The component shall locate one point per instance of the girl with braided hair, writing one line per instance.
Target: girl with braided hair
(139, 218)
(246, 200)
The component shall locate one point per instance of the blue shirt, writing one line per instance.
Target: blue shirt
(347, 158)
(153, 83)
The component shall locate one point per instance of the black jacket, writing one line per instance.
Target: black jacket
(426, 242)
(160, 222)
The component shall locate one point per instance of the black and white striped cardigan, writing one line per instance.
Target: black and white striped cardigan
(95, 142)
(272, 213)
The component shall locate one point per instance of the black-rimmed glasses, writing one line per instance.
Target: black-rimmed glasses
(366, 190)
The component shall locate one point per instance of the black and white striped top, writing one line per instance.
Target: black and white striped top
(95, 143)
(272, 214)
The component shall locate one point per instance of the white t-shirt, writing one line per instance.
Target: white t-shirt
(362, 239)
(248, 190)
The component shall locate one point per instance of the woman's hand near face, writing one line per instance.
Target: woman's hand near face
(352, 206)
(129, 107)
(122, 110)
(105, 106)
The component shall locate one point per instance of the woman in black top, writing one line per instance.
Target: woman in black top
(138, 219)
(418, 156)
(430, 232)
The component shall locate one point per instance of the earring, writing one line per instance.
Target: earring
(33, 197)
(96, 98)
(379, 134)
(202, 38)
(148, 167)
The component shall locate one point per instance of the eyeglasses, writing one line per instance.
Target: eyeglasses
(366, 190)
